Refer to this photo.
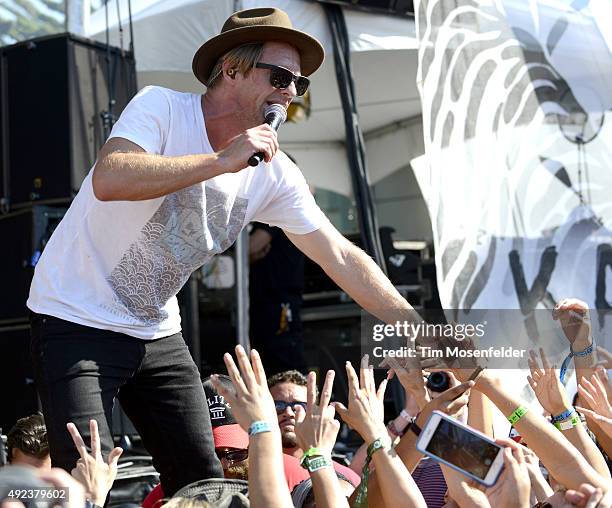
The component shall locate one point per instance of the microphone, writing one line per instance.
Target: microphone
(275, 115)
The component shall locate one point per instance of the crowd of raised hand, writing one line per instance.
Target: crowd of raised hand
(558, 457)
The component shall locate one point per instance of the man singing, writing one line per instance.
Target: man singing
(170, 189)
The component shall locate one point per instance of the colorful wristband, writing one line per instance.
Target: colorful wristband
(311, 452)
(259, 427)
(315, 463)
(517, 414)
(563, 416)
(585, 352)
(568, 424)
(376, 445)
(361, 501)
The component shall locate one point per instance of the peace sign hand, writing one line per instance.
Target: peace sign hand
(316, 427)
(96, 475)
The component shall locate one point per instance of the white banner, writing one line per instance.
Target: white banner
(517, 172)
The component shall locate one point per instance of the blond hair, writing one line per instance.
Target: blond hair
(241, 58)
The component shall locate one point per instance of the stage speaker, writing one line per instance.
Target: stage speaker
(25, 233)
(19, 397)
(60, 97)
(397, 7)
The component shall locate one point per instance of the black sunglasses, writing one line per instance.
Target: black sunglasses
(282, 78)
(281, 405)
(232, 456)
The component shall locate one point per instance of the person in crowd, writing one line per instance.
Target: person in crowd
(20, 484)
(316, 431)
(578, 476)
(289, 390)
(254, 410)
(231, 443)
(427, 473)
(27, 444)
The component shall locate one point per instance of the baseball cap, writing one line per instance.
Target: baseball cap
(226, 431)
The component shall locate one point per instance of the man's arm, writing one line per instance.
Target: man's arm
(125, 172)
(355, 272)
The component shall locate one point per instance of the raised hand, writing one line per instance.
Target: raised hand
(588, 496)
(250, 400)
(604, 358)
(545, 383)
(96, 475)
(62, 480)
(573, 314)
(595, 394)
(316, 427)
(451, 401)
(365, 412)
(410, 375)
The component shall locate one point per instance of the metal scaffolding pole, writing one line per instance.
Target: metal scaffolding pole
(242, 290)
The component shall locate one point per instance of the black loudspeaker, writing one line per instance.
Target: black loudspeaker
(56, 113)
(398, 7)
(26, 233)
(19, 397)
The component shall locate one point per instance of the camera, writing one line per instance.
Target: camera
(438, 381)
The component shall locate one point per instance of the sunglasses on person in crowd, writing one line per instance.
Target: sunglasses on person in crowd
(232, 456)
(282, 78)
(281, 405)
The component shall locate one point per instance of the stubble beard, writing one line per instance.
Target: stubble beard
(289, 440)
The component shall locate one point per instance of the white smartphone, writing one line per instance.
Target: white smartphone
(461, 447)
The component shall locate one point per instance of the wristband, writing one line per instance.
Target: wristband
(259, 427)
(517, 414)
(361, 500)
(569, 424)
(313, 464)
(404, 414)
(308, 454)
(414, 427)
(563, 416)
(376, 445)
(393, 429)
(585, 352)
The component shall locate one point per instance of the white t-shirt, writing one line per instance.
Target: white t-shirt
(118, 265)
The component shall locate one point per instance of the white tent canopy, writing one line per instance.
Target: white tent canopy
(168, 32)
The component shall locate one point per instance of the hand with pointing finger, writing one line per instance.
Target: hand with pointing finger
(96, 475)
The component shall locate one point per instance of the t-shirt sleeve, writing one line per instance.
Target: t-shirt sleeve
(145, 120)
(293, 207)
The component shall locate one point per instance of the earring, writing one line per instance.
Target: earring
(231, 73)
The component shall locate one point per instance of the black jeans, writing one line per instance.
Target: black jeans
(81, 370)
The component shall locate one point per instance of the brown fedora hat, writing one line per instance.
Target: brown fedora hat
(257, 25)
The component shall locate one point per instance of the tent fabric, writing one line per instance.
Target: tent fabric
(178, 27)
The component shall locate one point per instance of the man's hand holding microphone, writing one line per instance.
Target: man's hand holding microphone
(256, 144)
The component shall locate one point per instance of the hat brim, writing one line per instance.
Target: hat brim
(213, 489)
(310, 49)
(230, 436)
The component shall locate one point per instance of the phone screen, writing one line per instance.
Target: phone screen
(462, 448)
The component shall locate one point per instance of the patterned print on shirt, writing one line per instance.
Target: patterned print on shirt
(188, 229)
